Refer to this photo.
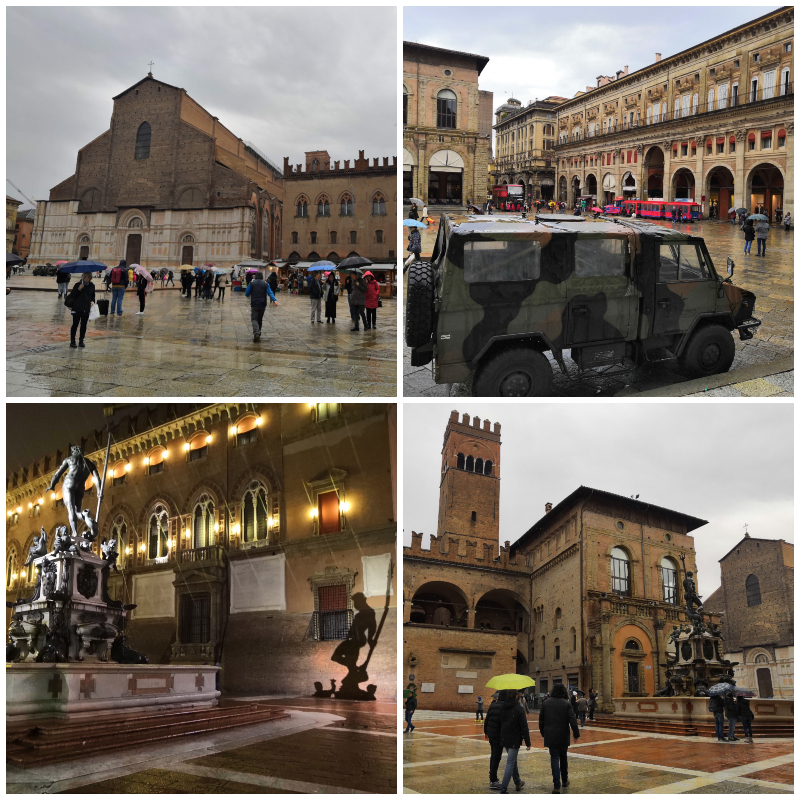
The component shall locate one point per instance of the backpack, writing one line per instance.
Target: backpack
(116, 275)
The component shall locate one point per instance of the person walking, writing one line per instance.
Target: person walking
(372, 301)
(170, 278)
(208, 285)
(272, 280)
(479, 710)
(62, 283)
(762, 231)
(222, 284)
(556, 717)
(745, 716)
(141, 286)
(358, 299)
(749, 235)
(414, 247)
(787, 221)
(513, 730)
(331, 297)
(258, 291)
(413, 213)
(119, 282)
(315, 293)
(731, 712)
(573, 701)
(80, 301)
(716, 705)
(348, 286)
(411, 707)
(491, 733)
(583, 707)
(592, 703)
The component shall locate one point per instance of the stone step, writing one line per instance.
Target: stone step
(761, 729)
(50, 741)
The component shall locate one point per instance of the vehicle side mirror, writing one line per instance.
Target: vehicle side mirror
(730, 267)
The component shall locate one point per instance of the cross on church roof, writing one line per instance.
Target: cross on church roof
(150, 64)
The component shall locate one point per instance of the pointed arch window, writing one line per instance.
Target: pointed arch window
(470, 464)
(257, 519)
(302, 208)
(346, 206)
(487, 468)
(158, 533)
(119, 533)
(265, 235)
(460, 461)
(479, 465)
(378, 205)
(753, 590)
(11, 569)
(323, 207)
(203, 533)
(143, 141)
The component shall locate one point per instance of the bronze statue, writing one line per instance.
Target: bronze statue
(79, 469)
(38, 548)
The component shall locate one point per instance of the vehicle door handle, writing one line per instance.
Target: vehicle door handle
(664, 303)
(580, 311)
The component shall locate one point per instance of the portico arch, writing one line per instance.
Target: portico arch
(591, 185)
(562, 189)
(504, 609)
(683, 184)
(576, 189)
(719, 188)
(653, 166)
(409, 169)
(440, 603)
(764, 189)
(445, 178)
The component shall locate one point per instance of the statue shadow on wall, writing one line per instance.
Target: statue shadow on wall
(363, 632)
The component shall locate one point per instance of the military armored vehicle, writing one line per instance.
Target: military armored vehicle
(500, 292)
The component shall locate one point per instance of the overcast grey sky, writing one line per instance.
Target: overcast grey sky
(728, 463)
(287, 79)
(541, 50)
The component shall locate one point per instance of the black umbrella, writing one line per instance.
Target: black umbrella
(83, 266)
(354, 261)
(13, 259)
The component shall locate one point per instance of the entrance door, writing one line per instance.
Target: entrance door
(187, 256)
(633, 676)
(84, 254)
(764, 678)
(133, 251)
(683, 287)
(602, 303)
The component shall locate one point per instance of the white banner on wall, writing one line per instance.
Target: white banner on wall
(258, 583)
(154, 595)
(376, 575)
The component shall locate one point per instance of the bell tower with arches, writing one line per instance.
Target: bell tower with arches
(469, 488)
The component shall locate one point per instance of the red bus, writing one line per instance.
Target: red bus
(508, 197)
(687, 210)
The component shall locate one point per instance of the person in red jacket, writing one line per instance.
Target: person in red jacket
(371, 303)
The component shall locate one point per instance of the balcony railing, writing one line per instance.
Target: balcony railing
(212, 552)
(785, 91)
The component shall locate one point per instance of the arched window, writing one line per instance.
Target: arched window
(323, 207)
(143, 141)
(254, 232)
(460, 461)
(158, 533)
(487, 468)
(470, 464)
(378, 205)
(632, 644)
(302, 208)
(119, 533)
(294, 237)
(136, 222)
(346, 206)
(620, 572)
(669, 577)
(446, 109)
(11, 569)
(479, 465)
(203, 522)
(557, 621)
(695, 102)
(255, 516)
(753, 591)
(762, 659)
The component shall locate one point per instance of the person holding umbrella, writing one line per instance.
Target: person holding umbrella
(80, 301)
(358, 299)
(732, 713)
(331, 297)
(762, 231)
(556, 717)
(513, 730)
(749, 235)
(716, 705)
(745, 715)
(144, 282)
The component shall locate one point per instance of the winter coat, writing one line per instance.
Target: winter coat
(62, 277)
(411, 703)
(314, 289)
(513, 724)
(592, 699)
(716, 705)
(749, 232)
(480, 699)
(141, 284)
(743, 709)
(556, 717)
(413, 214)
(258, 291)
(83, 294)
(414, 241)
(583, 704)
(731, 712)
(272, 280)
(359, 294)
(348, 284)
(762, 229)
(222, 281)
(492, 722)
(373, 293)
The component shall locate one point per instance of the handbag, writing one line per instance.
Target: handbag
(380, 303)
(69, 300)
(94, 312)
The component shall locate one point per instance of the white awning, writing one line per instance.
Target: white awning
(446, 161)
(546, 182)
(627, 186)
(608, 182)
(407, 158)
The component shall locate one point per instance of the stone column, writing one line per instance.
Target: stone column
(699, 183)
(607, 694)
(471, 618)
(667, 179)
(639, 171)
(422, 169)
(739, 178)
(659, 624)
(407, 603)
(788, 182)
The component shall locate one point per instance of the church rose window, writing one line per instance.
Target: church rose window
(143, 141)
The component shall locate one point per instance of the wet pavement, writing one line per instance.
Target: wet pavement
(195, 348)
(770, 278)
(447, 754)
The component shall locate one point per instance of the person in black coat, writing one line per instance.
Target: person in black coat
(141, 285)
(491, 733)
(745, 715)
(716, 705)
(513, 729)
(555, 720)
(411, 707)
(732, 713)
(272, 280)
(80, 300)
(208, 285)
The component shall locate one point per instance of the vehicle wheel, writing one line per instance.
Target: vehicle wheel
(419, 303)
(710, 351)
(516, 372)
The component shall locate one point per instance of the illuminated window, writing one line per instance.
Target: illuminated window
(158, 533)
(328, 512)
(155, 463)
(327, 410)
(203, 522)
(255, 512)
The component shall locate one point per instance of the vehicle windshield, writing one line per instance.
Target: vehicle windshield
(488, 261)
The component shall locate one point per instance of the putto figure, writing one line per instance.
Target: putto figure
(78, 469)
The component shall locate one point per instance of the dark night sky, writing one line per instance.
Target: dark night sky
(35, 429)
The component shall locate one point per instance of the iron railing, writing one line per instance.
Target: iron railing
(785, 91)
(212, 552)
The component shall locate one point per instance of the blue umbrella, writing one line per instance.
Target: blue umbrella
(413, 223)
(83, 266)
(757, 216)
(317, 266)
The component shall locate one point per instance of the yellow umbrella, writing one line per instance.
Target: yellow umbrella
(510, 681)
